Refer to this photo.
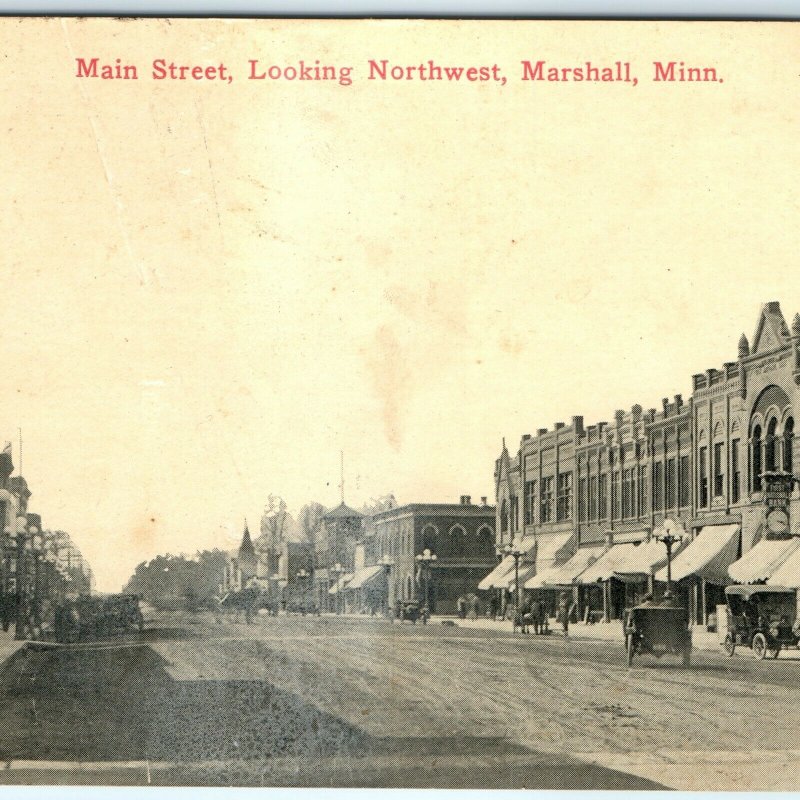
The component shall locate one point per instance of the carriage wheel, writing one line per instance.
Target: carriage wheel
(760, 645)
(631, 649)
(729, 644)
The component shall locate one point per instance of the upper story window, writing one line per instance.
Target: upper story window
(702, 469)
(530, 501)
(546, 500)
(564, 507)
(658, 486)
(770, 449)
(755, 459)
(788, 441)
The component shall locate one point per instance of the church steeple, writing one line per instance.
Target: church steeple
(247, 553)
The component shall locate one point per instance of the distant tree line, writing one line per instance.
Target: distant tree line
(179, 582)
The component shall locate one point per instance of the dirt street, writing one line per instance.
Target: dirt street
(307, 701)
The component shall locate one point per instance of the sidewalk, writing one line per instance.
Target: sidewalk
(601, 631)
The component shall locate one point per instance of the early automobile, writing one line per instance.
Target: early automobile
(412, 611)
(658, 628)
(762, 618)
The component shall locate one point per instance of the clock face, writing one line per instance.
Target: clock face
(778, 521)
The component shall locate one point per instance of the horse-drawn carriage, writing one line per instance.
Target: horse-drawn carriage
(90, 617)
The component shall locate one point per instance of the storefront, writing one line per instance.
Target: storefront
(367, 590)
(502, 579)
(700, 571)
(625, 575)
(551, 552)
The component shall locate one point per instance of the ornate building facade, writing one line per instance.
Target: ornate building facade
(574, 494)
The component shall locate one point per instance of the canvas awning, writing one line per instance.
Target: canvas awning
(566, 574)
(626, 562)
(707, 556)
(364, 576)
(761, 561)
(500, 576)
(340, 584)
(788, 573)
(552, 549)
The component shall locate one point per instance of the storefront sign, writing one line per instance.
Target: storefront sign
(777, 494)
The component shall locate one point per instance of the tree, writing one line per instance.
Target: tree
(274, 524)
(309, 523)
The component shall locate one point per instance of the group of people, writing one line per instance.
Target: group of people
(534, 614)
(468, 607)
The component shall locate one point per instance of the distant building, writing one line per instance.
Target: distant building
(342, 530)
(460, 535)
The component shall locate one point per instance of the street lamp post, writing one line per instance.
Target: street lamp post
(22, 535)
(426, 559)
(512, 550)
(668, 538)
(301, 579)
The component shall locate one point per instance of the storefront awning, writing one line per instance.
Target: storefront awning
(626, 562)
(494, 580)
(500, 576)
(761, 561)
(553, 549)
(341, 583)
(566, 574)
(707, 556)
(788, 573)
(364, 576)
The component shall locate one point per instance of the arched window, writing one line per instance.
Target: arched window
(429, 536)
(503, 517)
(788, 439)
(755, 459)
(485, 536)
(770, 463)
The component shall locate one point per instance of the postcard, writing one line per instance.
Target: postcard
(400, 403)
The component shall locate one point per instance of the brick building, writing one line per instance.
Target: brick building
(462, 536)
(584, 502)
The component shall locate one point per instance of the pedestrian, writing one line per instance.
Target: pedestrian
(461, 606)
(492, 608)
(536, 614)
(473, 607)
(564, 612)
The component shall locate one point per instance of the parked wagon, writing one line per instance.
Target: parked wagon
(658, 628)
(89, 618)
(762, 618)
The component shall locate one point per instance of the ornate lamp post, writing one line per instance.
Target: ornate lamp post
(22, 534)
(301, 576)
(426, 560)
(669, 538)
(512, 550)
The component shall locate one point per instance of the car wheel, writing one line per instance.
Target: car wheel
(760, 645)
(729, 644)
